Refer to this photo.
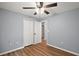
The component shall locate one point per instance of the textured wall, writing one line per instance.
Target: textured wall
(64, 30)
(11, 30)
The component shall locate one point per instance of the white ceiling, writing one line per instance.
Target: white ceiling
(17, 7)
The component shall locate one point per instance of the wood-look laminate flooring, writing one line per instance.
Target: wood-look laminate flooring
(39, 50)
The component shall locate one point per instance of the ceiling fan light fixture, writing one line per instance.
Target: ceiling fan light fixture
(42, 10)
(37, 10)
(37, 4)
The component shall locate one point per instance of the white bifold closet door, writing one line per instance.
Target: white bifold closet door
(37, 30)
(32, 32)
(28, 32)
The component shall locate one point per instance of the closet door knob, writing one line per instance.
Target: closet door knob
(34, 33)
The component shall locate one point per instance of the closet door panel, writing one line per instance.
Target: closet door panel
(28, 32)
(37, 32)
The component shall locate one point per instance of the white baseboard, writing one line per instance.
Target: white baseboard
(11, 51)
(47, 44)
(64, 50)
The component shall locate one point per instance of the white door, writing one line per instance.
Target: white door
(31, 27)
(28, 32)
(37, 37)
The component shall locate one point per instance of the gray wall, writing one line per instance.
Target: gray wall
(64, 30)
(11, 30)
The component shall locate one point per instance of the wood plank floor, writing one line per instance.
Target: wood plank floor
(39, 50)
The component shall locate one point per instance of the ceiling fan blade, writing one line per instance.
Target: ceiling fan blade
(41, 4)
(35, 13)
(51, 5)
(46, 12)
(28, 7)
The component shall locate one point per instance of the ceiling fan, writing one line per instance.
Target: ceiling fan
(39, 6)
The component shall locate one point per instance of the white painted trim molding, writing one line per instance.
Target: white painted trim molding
(64, 50)
(11, 51)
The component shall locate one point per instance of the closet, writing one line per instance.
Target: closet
(32, 32)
